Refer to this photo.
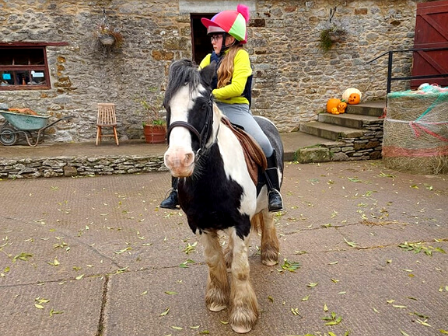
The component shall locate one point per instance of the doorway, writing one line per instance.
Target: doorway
(199, 40)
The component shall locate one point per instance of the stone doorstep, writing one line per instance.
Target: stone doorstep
(329, 131)
(345, 136)
(337, 143)
(313, 154)
(374, 108)
(349, 120)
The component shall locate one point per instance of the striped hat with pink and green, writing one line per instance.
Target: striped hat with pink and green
(231, 22)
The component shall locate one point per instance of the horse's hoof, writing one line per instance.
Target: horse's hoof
(269, 258)
(269, 262)
(215, 307)
(243, 319)
(216, 299)
(240, 330)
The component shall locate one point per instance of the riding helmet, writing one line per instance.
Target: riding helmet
(232, 22)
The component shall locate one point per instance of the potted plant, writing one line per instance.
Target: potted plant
(154, 125)
(330, 36)
(107, 35)
(332, 33)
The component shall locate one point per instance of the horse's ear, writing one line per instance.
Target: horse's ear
(208, 73)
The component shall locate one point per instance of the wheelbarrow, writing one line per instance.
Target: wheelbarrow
(23, 124)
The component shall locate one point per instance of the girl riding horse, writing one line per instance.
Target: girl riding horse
(232, 91)
(216, 190)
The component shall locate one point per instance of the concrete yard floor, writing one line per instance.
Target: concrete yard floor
(96, 256)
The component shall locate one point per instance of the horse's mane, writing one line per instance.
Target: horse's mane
(181, 73)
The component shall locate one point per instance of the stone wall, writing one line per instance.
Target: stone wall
(70, 166)
(293, 77)
(366, 147)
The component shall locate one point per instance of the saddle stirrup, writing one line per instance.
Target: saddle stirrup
(172, 201)
(271, 175)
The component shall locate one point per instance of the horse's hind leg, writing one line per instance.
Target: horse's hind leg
(228, 253)
(217, 293)
(244, 304)
(269, 239)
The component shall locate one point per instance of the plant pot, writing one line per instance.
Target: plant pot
(154, 133)
(107, 39)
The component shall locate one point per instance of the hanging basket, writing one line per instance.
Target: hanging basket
(107, 39)
(337, 35)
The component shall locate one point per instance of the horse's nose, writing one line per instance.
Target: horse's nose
(179, 162)
(179, 159)
(189, 158)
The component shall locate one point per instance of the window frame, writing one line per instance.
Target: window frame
(41, 68)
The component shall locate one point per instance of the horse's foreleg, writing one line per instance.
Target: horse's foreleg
(269, 239)
(244, 305)
(217, 293)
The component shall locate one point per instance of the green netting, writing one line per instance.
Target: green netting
(416, 130)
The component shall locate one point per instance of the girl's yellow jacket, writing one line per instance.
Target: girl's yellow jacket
(233, 92)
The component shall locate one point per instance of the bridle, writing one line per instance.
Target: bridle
(201, 136)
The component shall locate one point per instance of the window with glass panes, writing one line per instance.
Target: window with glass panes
(23, 68)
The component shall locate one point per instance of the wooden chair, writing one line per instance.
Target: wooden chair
(106, 118)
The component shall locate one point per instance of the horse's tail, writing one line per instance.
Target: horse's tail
(274, 137)
(257, 222)
(263, 224)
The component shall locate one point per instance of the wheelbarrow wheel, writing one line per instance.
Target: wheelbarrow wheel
(8, 136)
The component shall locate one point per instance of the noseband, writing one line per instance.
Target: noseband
(203, 134)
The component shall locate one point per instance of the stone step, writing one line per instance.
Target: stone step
(347, 120)
(339, 137)
(373, 108)
(329, 131)
(295, 141)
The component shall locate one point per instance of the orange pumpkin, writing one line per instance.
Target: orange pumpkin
(354, 99)
(331, 103)
(349, 91)
(342, 106)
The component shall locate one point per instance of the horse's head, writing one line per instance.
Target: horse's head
(189, 105)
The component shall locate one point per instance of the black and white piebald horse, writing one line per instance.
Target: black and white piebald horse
(216, 191)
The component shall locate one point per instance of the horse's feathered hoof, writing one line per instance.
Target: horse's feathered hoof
(269, 262)
(242, 319)
(216, 299)
(240, 330)
(269, 257)
(216, 307)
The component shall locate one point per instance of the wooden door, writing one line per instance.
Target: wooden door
(431, 31)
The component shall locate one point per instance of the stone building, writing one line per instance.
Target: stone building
(293, 75)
